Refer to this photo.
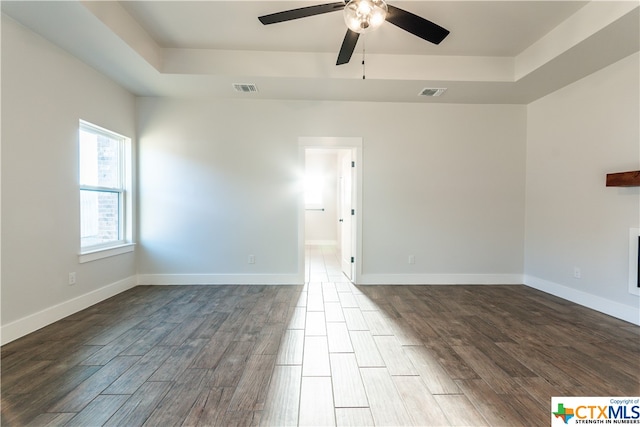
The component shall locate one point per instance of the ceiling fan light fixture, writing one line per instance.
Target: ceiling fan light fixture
(362, 16)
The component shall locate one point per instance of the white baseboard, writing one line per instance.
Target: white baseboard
(220, 279)
(33, 322)
(440, 279)
(615, 309)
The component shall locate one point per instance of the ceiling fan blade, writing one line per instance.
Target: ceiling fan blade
(348, 46)
(302, 12)
(416, 25)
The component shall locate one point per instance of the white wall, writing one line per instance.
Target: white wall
(215, 187)
(445, 183)
(221, 179)
(321, 225)
(575, 137)
(45, 92)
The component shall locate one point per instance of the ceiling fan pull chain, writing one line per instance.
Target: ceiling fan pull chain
(363, 52)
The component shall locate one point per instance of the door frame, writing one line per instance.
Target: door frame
(350, 143)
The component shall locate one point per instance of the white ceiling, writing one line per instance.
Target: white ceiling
(502, 28)
(497, 52)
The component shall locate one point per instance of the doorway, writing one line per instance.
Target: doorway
(331, 209)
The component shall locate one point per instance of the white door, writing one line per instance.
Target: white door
(347, 223)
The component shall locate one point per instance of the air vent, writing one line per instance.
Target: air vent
(432, 91)
(245, 87)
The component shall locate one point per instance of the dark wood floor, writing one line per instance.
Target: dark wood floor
(328, 353)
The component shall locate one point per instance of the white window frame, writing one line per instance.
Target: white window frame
(124, 243)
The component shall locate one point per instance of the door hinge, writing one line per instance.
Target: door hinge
(353, 260)
(353, 211)
(353, 164)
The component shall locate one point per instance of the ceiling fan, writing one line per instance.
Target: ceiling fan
(362, 16)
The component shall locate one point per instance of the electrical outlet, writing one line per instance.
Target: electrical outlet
(412, 259)
(72, 278)
(251, 259)
(577, 273)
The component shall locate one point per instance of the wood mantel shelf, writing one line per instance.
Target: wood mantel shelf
(623, 179)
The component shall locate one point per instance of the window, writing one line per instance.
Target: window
(313, 191)
(105, 176)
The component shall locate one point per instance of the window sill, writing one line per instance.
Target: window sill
(93, 255)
